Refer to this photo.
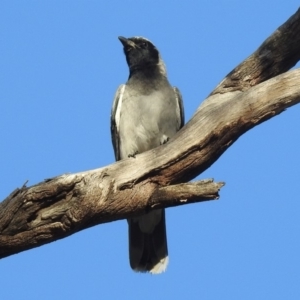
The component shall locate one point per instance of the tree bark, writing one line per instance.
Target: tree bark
(249, 95)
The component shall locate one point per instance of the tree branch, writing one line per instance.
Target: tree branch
(277, 54)
(179, 194)
(57, 208)
(61, 206)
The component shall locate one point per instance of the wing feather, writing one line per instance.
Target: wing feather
(115, 120)
(180, 108)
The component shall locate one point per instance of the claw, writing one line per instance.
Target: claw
(164, 139)
(134, 154)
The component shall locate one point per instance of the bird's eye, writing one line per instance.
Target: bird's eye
(128, 49)
(144, 45)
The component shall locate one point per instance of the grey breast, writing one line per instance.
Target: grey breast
(146, 120)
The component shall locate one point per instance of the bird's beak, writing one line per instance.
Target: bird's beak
(126, 42)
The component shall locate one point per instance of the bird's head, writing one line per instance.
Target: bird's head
(141, 54)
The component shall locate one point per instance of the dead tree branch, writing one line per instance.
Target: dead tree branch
(248, 96)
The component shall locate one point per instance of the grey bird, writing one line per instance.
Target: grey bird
(147, 111)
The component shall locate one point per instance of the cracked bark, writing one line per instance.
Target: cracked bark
(61, 206)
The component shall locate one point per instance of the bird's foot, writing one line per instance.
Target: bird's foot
(133, 154)
(164, 139)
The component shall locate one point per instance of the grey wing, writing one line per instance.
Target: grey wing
(180, 108)
(114, 120)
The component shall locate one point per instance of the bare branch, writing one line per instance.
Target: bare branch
(61, 206)
(54, 209)
(185, 193)
(277, 54)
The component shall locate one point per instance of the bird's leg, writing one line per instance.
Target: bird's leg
(133, 154)
(164, 139)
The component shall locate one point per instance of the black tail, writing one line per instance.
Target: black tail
(148, 250)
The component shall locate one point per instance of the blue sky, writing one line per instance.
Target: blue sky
(61, 63)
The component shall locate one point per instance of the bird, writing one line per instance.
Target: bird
(146, 112)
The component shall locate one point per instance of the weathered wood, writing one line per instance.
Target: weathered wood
(277, 54)
(61, 206)
(57, 208)
(179, 194)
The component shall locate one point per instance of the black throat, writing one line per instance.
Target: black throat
(148, 72)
